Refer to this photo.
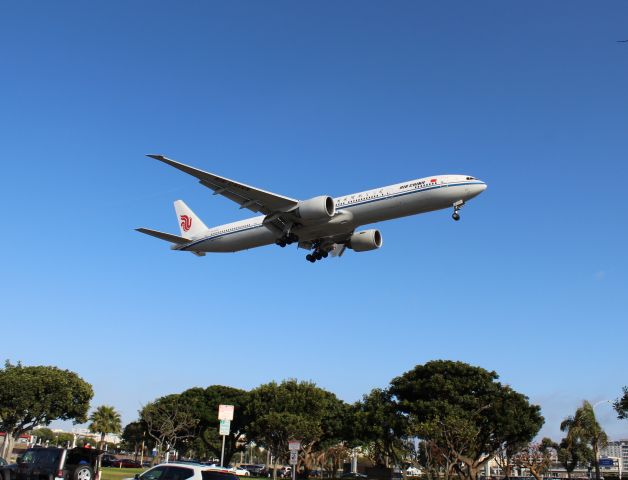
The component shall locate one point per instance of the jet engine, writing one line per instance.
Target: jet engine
(366, 240)
(317, 208)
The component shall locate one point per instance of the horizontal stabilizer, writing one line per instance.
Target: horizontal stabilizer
(168, 237)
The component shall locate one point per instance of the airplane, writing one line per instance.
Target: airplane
(322, 225)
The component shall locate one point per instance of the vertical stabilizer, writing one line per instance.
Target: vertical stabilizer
(191, 226)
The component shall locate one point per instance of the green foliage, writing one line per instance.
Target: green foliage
(203, 405)
(583, 427)
(571, 451)
(169, 421)
(63, 439)
(621, 405)
(134, 434)
(32, 396)
(44, 435)
(295, 409)
(380, 427)
(105, 419)
(465, 413)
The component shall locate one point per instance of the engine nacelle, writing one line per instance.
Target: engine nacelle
(366, 240)
(317, 208)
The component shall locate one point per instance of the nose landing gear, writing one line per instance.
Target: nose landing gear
(457, 206)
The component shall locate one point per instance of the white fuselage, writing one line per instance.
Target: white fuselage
(352, 211)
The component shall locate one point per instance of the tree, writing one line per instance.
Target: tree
(536, 458)
(331, 458)
(380, 428)
(105, 419)
(463, 413)
(572, 451)
(621, 405)
(203, 405)
(134, 437)
(64, 439)
(43, 435)
(583, 425)
(168, 421)
(37, 395)
(300, 410)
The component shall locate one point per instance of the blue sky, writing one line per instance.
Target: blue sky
(303, 100)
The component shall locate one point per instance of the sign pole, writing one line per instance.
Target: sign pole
(225, 415)
(294, 446)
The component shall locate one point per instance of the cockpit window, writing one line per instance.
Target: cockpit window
(470, 178)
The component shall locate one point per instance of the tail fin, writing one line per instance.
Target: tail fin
(191, 226)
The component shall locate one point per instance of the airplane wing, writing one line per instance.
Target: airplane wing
(252, 198)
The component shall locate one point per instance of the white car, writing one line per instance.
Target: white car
(185, 471)
(240, 472)
(413, 472)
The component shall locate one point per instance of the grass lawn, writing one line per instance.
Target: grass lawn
(112, 473)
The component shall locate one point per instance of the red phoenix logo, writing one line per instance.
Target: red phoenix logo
(433, 180)
(186, 222)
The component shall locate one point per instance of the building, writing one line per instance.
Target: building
(617, 450)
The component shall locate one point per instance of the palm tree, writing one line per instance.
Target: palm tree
(105, 420)
(584, 425)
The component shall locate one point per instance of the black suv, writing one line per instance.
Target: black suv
(54, 464)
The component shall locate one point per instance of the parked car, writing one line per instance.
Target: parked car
(126, 463)
(240, 472)
(254, 469)
(107, 459)
(55, 464)
(184, 471)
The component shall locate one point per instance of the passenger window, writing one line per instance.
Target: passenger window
(47, 457)
(178, 473)
(28, 457)
(154, 474)
(209, 475)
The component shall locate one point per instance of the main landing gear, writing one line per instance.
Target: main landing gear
(288, 239)
(317, 255)
(457, 206)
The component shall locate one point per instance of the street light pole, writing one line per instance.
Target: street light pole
(597, 449)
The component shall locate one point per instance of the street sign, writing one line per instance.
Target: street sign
(294, 445)
(225, 412)
(225, 427)
(607, 462)
(294, 457)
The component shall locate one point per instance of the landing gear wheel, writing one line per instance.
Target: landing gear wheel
(310, 258)
(456, 216)
(325, 254)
